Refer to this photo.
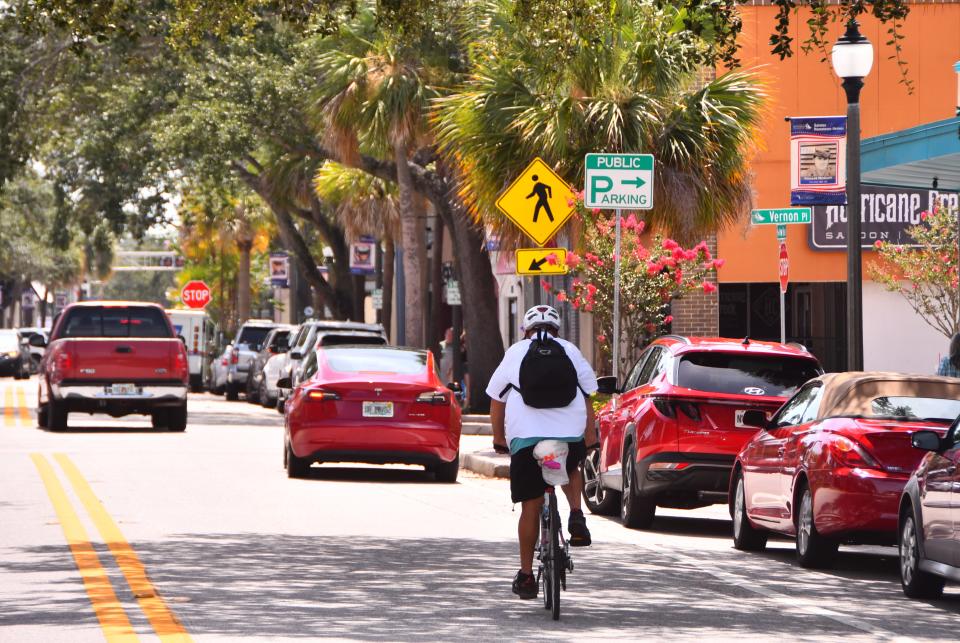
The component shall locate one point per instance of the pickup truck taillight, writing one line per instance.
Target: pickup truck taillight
(61, 365)
(180, 366)
(235, 357)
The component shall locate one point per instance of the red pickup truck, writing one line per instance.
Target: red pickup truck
(117, 358)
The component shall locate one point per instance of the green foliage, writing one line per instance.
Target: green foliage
(925, 275)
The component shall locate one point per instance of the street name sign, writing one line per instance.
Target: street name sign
(195, 294)
(538, 202)
(781, 216)
(542, 261)
(619, 181)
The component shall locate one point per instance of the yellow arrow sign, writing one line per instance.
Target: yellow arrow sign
(542, 261)
(539, 202)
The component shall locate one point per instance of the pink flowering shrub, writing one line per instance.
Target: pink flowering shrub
(651, 275)
(925, 274)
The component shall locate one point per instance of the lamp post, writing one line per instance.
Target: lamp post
(852, 58)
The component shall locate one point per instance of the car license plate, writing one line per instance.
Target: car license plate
(122, 389)
(378, 409)
(738, 419)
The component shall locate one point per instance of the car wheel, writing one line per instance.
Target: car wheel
(296, 467)
(158, 418)
(599, 499)
(281, 405)
(56, 415)
(447, 471)
(253, 393)
(42, 415)
(745, 536)
(233, 392)
(636, 512)
(265, 400)
(177, 418)
(813, 549)
(916, 583)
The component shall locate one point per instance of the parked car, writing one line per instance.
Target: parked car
(199, 335)
(276, 343)
(35, 352)
(375, 404)
(928, 537)
(306, 339)
(670, 433)
(219, 369)
(269, 392)
(830, 466)
(247, 344)
(14, 355)
(117, 358)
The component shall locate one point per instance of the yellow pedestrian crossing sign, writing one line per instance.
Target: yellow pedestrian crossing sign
(539, 202)
(542, 261)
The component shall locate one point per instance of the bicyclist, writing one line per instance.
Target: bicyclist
(527, 425)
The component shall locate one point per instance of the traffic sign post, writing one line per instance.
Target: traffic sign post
(618, 182)
(195, 294)
(782, 217)
(538, 202)
(542, 261)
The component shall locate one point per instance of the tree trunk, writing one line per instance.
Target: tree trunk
(410, 227)
(477, 291)
(389, 258)
(243, 281)
(435, 322)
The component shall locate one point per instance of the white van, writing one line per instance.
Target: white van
(200, 336)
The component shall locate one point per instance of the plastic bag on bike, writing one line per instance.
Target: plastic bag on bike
(552, 456)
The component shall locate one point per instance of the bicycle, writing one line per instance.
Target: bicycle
(553, 552)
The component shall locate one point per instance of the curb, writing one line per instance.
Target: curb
(486, 463)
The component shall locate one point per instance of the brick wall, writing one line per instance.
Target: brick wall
(698, 313)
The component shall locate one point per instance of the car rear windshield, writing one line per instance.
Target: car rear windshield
(750, 374)
(8, 342)
(335, 340)
(119, 321)
(925, 408)
(253, 336)
(372, 360)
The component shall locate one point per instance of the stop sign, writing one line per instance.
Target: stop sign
(784, 268)
(195, 294)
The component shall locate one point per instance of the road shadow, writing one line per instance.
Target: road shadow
(367, 588)
(369, 474)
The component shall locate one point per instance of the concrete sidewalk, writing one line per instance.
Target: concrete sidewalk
(477, 455)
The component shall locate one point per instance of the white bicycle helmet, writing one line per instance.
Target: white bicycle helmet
(541, 315)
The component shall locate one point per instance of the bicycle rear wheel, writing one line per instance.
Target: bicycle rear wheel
(556, 558)
(546, 568)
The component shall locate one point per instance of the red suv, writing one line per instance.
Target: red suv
(670, 433)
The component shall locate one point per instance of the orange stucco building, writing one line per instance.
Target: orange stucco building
(805, 85)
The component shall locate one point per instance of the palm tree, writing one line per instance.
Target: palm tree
(364, 205)
(373, 94)
(635, 85)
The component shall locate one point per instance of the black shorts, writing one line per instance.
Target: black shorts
(526, 479)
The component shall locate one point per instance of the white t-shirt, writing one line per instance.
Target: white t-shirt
(523, 421)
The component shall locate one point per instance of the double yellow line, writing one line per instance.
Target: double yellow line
(107, 607)
(11, 408)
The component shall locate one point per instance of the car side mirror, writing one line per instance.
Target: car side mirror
(39, 341)
(925, 440)
(607, 385)
(284, 382)
(182, 339)
(755, 418)
(453, 386)
(296, 355)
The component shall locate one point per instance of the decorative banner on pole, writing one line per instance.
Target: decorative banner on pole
(363, 256)
(818, 171)
(279, 269)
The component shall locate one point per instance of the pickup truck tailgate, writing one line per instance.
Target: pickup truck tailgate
(122, 360)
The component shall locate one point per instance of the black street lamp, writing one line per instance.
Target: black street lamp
(852, 57)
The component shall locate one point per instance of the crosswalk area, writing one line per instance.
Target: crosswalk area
(17, 412)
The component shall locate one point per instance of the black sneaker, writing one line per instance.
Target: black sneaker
(577, 526)
(525, 585)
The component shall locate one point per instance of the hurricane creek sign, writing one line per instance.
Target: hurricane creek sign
(887, 213)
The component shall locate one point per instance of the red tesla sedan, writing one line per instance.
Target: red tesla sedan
(830, 466)
(670, 434)
(373, 404)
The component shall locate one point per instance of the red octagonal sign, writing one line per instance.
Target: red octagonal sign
(784, 268)
(195, 294)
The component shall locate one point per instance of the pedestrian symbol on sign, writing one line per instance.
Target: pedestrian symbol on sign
(544, 193)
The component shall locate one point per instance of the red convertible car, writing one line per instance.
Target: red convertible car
(373, 404)
(670, 434)
(830, 466)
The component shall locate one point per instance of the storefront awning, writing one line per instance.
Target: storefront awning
(914, 157)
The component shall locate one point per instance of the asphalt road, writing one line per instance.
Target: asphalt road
(111, 530)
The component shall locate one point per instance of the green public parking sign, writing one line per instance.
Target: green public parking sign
(619, 181)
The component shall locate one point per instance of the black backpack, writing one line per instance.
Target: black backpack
(548, 378)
